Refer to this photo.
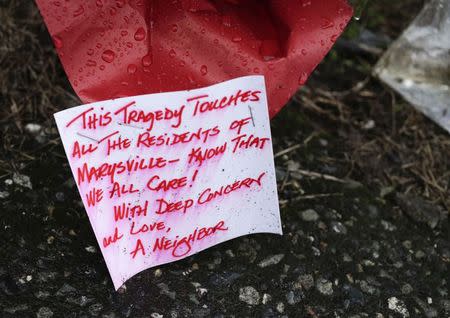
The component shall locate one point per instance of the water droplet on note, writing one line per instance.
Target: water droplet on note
(140, 34)
(131, 69)
(58, 42)
(108, 56)
(204, 70)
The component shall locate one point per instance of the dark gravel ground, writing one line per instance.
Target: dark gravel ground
(345, 254)
(364, 207)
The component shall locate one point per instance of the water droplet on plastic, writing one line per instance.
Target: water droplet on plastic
(90, 52)
(91, 63)
(174, 28)
(124, 33)
(172, 53)
(58, 42)
(237, 39)
(147, 60)
(120, 3)
(304, 52)
(78, 11)
(99, 3)
(302, 79)
(204, 70)
(140, 34)
(326, 23)
(334, 38)
(108, 56)
(256, 70)
(182, 63)
(226, 20)
(306, 3)
(102, 67)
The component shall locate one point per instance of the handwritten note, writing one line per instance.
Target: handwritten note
(164, 176)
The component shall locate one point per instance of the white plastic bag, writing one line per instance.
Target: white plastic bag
(417, 65)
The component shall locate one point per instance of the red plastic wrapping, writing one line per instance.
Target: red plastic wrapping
(116, 48)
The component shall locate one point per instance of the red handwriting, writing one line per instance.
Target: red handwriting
(126, 211)
(158, 226)
(94, 196)
(155, 184)
(130, 116)
(182, 246)
(139, 248)
(202, 105)
(199, 155)
(117, 144)
(239, 124)
(245, 142)
(81, 150)
(92, 120)
(168, 207)
(111, 170)
(119, 190)
(112, 239)
(208, 194)
(108, 136)
(146, 139)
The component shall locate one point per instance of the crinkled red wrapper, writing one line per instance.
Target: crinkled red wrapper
(117, 48)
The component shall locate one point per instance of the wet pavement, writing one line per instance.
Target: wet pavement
(346, 251)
